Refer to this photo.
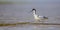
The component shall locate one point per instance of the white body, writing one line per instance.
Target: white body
(36, 17)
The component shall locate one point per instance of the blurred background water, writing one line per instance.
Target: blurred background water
(12, 11)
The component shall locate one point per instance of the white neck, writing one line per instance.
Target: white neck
(34, 12)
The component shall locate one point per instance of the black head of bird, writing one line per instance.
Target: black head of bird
(33, 9)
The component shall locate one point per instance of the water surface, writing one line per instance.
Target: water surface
(12, 13)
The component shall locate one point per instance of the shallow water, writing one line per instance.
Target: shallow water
(12, 13)
(31, 27)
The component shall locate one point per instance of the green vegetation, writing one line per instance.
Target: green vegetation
(22, 23)
(2, 24)
(6, 2)
(14, 2)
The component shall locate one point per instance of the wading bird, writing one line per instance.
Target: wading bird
(37, 17)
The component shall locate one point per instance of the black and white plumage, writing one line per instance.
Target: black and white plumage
(37, 17)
